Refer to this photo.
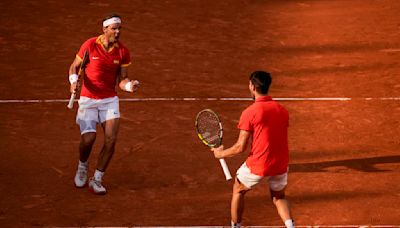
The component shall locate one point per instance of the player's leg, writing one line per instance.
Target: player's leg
(110, 128)
(277, 186)
(110, 136)
(237, 202)
(85, 148)
(109, 118)
(244, 181)
(86, 145)
(87, 119)
(283, 207)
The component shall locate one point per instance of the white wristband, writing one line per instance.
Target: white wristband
(73, 78)
(128, 87)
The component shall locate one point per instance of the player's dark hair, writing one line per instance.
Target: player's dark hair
(261, 80)
(111, 16)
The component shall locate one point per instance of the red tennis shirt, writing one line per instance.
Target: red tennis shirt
(103, 68)
(268, 123)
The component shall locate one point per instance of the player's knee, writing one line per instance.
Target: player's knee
(277, 195)
(88, 138)
(110, 140)
(239, 188)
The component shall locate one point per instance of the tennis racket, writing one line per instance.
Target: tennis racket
(209, 129)
(80, 72)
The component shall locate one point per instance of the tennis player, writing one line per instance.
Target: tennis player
(266, 122)
(99, 104)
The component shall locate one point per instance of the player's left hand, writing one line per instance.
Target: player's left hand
(129, 86)
(218, 152)
(135, 85)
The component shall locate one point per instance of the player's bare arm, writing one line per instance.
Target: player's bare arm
(237, 148)
(125, 83)
(73, 72)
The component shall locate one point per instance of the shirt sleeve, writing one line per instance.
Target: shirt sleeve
(82, 49)
(126, 58)
(245, 121)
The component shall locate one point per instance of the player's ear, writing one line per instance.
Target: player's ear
(251, 86)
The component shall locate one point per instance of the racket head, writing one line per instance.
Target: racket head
(209, 128)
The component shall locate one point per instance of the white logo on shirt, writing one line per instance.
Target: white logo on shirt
(95, 57)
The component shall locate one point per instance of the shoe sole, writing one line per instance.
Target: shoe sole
(97, 193)
(83, 186)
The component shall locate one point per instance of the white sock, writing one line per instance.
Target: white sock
(98, 175)
(235, 225)
(289, 223)
(83, 164)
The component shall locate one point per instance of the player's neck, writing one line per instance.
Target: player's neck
(258, 95)
(107, 44)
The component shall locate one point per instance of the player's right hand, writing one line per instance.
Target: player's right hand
(73, 87)
(218, 152)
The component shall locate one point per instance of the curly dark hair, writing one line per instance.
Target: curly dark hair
(261, 80)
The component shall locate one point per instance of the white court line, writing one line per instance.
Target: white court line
(211, 99)
(390, 50)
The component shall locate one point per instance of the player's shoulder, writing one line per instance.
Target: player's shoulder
(270, 105)
(282, 109)
(279, 105)
(90, 41)
(122, 46)
(250, 110)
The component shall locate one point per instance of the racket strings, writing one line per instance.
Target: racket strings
(208, 126)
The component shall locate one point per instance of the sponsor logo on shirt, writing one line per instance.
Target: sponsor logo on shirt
(116, 61)
(95, 57)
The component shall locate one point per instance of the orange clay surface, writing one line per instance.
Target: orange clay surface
(345, 161)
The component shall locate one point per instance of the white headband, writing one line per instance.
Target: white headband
(113, 20)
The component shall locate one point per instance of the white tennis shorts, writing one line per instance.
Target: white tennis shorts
(276, 183)
(94, 111)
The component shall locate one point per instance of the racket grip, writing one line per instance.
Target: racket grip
(225, 169)
(71, 101)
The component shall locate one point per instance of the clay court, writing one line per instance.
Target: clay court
(344, 162)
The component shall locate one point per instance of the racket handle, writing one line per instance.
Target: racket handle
(71, 101)
(225, 169)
